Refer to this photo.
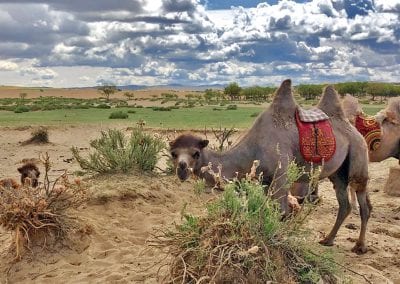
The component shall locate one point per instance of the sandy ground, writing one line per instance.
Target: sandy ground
(133, 206)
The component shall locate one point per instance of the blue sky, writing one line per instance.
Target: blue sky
(197, 42)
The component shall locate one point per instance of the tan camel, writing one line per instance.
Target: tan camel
(275, 129)
(389, 122)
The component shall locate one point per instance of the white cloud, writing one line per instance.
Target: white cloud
(8, 65)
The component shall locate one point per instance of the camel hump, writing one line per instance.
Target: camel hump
(330, 103)
(283, 101)
(351, 107)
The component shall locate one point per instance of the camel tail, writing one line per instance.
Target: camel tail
(283, 101)
(330, 103)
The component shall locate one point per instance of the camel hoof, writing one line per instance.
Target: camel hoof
(326, 242)
(359, 249)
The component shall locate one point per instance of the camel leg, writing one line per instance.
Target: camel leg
(365, 210)
(340, 184)
(353, 200)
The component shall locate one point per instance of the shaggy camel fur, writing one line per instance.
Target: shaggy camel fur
(274, 140)
(29, 171)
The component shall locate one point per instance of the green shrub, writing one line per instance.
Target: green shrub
(21, 109)
(118, 115)
(231, 107)
(114, 152)
(241, 239)
(162, 108)
(103, 106)
(254, 114)
(131, 111)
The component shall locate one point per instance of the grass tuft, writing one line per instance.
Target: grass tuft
(242, 239)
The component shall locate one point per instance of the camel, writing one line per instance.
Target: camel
(29, 176)
(274, 140)
(29, 171)
(389, 121)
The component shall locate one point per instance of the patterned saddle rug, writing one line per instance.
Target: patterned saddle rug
(316, 138)
(370, 129)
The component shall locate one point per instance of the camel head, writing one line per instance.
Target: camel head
(186, 152)
(29, 171)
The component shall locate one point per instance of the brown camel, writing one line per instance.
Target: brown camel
(29, 176)
(29, 171)
(274, 140)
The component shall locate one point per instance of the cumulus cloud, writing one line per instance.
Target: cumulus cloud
(8, 65)
(181, 41)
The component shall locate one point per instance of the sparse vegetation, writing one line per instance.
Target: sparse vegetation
(38, 215)
(118, 115)
(242, 239)
(115, 152)
(38, 136)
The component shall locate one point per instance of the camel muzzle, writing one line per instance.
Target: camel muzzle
(182, 173)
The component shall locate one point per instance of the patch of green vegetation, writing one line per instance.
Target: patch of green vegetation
(21, 109)
(115, 152)
(118, 115)
(182, 118)
(242, 237)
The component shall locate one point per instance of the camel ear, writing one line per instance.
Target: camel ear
(203, 143)
(20, 170)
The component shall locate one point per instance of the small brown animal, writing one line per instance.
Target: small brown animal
(29, 171)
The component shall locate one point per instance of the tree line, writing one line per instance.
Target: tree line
(311, 91)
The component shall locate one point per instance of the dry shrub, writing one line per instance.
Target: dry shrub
(39, 136)
(39, 215)
(242, 239)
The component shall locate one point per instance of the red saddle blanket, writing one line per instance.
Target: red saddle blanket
(316, 139)
(370, 129)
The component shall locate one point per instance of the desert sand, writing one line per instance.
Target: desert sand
(126, 209)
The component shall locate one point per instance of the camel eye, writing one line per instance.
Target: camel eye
(196, 155)
(174, 155)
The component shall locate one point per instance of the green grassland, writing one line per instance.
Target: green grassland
(182, 118)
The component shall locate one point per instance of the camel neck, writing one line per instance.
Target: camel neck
(239, 159)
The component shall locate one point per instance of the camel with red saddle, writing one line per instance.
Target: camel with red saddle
(381, 132)
(274, 140)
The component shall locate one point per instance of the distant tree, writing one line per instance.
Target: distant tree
(309, 92)
(23, 96)
(233, 90)
(107, 90)
(352, 88)
(129, 95)
(210, 94)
